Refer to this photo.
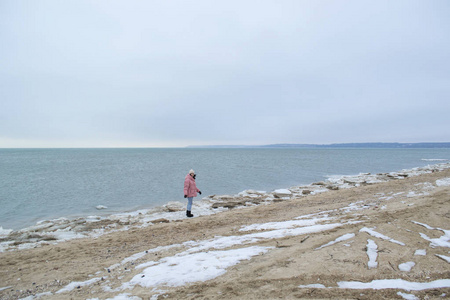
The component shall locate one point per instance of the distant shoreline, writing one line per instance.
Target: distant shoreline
(374, 145)
(339, 145)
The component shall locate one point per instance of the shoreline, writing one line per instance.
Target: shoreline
(19, 211)
(52, 232)
(377, 240)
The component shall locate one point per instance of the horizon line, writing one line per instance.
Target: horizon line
(280, 145)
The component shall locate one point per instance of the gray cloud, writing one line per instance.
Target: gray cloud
(153, 73)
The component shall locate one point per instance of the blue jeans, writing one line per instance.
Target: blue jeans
(189, 205)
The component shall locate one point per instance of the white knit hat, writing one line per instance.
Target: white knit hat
(191, 172)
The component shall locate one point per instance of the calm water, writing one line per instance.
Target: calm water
(37, 184)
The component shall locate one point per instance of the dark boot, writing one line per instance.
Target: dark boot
(188, 214)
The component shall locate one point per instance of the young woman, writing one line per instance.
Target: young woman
(190, 191)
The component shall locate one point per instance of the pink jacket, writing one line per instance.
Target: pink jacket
(190, 188)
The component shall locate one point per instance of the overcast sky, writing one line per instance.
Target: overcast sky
(177, 73)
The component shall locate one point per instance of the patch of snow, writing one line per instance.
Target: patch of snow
(426, 185)
(372, 253)
(443, 182)
(229, 241)
(5, 288)
(398, 194)
(424, 225)
(446, 258)
(407, 296)
(43, 294)
(339, 239)
(282, 192)
(75, 284)
(443, 241)
(395, 284)
(380, 236)
(125, 296)
(66, 234)
(420, 252)
(284, 225)
(37, 296)
(353, 207)
(146, 264)
(315, 214)
(314, 285)
(406, 267)
(413, 194)
(181, 269)
(133, 257)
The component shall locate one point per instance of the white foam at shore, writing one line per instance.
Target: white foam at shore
(63, 229)
(4, 232)
(434, 159)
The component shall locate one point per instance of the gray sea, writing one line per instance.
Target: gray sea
(44, 184)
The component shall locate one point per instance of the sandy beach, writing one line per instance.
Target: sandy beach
(373, 240)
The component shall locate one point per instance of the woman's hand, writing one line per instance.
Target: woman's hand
(185, 196)
(200, 192)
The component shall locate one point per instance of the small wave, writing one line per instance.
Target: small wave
(4, 232)
(434, 159)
